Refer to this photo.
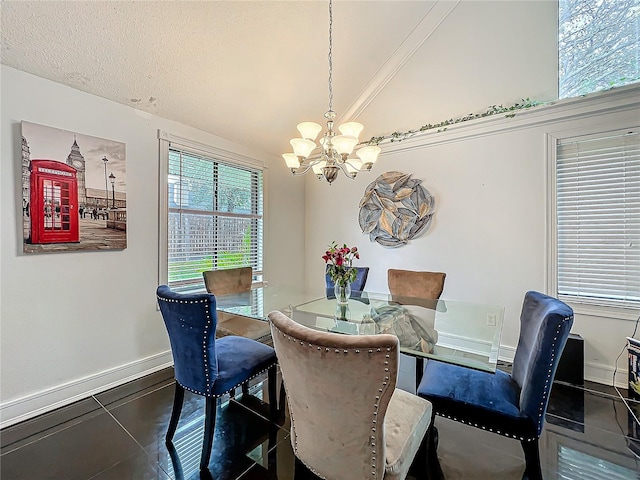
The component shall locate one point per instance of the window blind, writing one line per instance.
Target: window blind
(214, 217)
(598, 218)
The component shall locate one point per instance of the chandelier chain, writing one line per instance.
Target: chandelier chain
(330, 55)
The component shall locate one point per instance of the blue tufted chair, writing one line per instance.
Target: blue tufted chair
(510, 405)
(356, 286)
(206, 366)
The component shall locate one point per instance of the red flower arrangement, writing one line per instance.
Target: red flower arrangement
(339, 260)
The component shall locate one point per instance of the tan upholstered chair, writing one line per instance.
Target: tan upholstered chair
(408, 283)
(232, 280)
(423, 285)
(348, 421)
(229, 281)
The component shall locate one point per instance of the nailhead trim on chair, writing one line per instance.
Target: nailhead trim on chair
(227, 391)
(547, 386)
(484, 427)
(375, 405)
(204, 348)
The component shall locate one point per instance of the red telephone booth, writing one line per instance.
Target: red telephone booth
(54, 202)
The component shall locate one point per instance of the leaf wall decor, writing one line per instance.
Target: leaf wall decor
(394, 209)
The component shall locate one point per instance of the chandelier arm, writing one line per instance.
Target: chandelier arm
(302, 169)
(341, 166)
(347, 161)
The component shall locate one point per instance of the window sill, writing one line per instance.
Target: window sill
(617, 313)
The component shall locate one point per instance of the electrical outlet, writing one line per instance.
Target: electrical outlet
(491, 319)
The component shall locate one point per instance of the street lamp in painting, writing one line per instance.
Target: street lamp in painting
(112, 177)
(106, 186)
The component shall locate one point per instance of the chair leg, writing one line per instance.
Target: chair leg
(420, 464)
(301, 472)
(175, 461)
(433, 464)
(273, 403)
(209, 428)
(533, 471)
(282, 401)
(178, 398)
(419, 371)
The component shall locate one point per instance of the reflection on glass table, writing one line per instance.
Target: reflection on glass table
(451, 331)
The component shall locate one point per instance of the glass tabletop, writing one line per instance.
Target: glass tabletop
(456, 332)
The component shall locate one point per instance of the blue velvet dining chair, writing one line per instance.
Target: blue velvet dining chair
(206, 366)
(512, 405)
(356, 286)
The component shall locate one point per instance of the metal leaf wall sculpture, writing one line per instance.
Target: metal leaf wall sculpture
(394, 209)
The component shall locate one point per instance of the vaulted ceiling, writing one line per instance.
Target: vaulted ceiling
(249, 71)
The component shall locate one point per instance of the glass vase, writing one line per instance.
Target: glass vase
(343, 292)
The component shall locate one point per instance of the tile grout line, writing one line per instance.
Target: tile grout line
(132, 437)
(53, 429)
(118, 422)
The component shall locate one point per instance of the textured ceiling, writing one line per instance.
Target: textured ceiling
(249, 71)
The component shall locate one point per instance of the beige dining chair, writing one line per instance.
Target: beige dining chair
(348, 420)
(409, 283)
(230, 281)
(425, 286)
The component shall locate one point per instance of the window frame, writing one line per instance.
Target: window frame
(580, 306)
(166, 141)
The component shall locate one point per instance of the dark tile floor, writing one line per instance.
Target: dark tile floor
(119, 434)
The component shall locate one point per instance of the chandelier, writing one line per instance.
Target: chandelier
(334, 149)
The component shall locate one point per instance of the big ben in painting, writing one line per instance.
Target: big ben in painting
(76, 160)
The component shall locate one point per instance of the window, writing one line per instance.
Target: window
(597, 208)
(598, 45)
(213, 208)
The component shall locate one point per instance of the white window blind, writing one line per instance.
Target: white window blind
(598, 218)
(214, 217)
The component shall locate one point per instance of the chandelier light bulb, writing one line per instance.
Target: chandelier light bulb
(291, 160)
(352, 129)
(344, 144)
(302, 147)
(368, 155)
(309, 130)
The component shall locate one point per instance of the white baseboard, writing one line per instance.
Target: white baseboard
(29, 406)
(506, 354)
(595, 372)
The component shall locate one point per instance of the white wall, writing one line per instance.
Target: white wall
(73, 323)
(489, 232)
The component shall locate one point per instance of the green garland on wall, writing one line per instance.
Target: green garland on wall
(442, 126)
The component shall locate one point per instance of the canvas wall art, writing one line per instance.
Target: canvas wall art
(74, 194)
(395, 208)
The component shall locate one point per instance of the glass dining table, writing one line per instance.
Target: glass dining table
(451, 331)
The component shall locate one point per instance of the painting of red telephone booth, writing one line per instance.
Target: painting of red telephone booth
(54, 202)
